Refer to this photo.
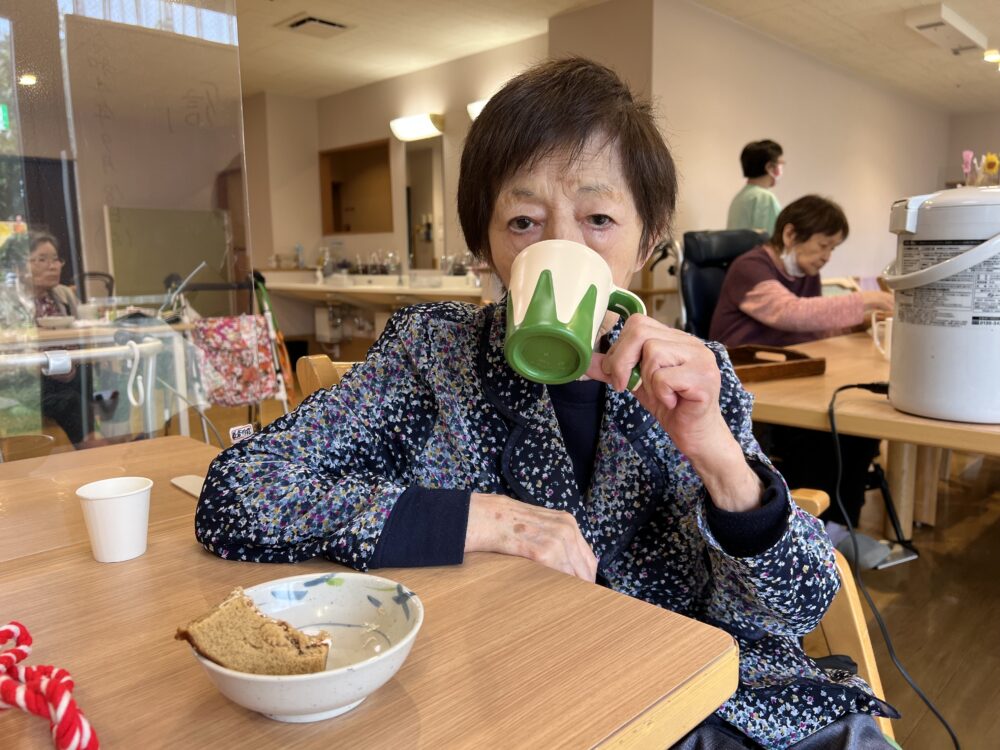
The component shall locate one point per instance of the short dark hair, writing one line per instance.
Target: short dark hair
(38, 238)
(757, 155)
(809, 215)
(561, 104)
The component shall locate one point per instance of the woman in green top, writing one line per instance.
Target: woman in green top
(755, 206)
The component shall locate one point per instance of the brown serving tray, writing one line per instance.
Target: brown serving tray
(756, 362)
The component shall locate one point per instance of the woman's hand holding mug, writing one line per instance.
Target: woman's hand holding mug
(877, 301)
(680, 388)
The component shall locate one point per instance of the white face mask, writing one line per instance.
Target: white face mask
(791, 265)
(777, 171)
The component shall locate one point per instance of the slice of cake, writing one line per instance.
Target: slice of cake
(237, 635)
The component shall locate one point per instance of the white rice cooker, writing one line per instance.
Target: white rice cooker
(946, 328)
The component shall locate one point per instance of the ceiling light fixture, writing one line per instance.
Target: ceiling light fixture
(474, 108)
(417, 127)
(28, 79)
(942, 26)
(992, 55)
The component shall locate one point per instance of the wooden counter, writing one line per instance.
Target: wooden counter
(375, 296)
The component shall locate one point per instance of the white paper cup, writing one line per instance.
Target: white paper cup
(116, 512)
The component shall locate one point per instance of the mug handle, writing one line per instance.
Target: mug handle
(627, 303)
(878, 327)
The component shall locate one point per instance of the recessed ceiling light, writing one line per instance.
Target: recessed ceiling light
(991, 55)
(28, 79)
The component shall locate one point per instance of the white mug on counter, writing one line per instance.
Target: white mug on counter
(87, 311)
(882, 334)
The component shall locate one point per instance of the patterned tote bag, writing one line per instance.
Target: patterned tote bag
(234, 359)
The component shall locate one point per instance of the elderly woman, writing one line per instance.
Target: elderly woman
(434, 447)
(773, 295)
(52, 297)
(63, 396)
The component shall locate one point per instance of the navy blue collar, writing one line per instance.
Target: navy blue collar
(516, 397)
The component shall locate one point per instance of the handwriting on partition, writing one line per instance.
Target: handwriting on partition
(199, 107)
(105, 85)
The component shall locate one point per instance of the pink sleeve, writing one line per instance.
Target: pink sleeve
(773, 305)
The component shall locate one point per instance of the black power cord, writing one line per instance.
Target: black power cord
(883, 389)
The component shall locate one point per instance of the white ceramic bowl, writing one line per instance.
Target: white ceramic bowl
(372, 622)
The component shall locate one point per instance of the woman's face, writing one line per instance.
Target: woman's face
(815, 252)
(45, 266)
(585, 200)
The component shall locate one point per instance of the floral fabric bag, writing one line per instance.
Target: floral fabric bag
(234, 359)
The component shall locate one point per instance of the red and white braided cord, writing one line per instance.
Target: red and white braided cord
(43, 691)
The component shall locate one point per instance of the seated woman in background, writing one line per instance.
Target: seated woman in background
(64, 397)
(773, 295)
(434, 447)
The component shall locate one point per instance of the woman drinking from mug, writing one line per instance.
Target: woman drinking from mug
(434, 446)
(773, 295)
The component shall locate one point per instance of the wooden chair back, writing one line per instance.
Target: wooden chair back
(318, 371)
(843, 629)
(16, 447)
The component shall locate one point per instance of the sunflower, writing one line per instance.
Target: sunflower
(991, 163)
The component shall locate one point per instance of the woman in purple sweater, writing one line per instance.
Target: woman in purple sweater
(772, 295)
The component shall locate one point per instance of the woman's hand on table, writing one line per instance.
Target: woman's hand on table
(877, 300)
(680, 388)
(498, 523)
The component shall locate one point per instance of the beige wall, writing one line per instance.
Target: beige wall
(282, 169)
(629, 50)
(979, 133)
(721, 85)
(293, 171)
(363, 115)
(282, 166)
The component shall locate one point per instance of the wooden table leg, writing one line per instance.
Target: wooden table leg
(926, 490)
(901, 474)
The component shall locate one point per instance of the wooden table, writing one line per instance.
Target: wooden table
(913, 440)
(511, 654)
(39, 509)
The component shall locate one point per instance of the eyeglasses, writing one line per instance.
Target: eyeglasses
(47, 260)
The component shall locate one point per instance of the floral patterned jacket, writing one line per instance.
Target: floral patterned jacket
(435, 405)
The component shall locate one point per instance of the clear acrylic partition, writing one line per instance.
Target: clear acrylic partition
(124, 271)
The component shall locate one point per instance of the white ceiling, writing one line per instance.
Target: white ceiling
(871, 39)
(388, 38)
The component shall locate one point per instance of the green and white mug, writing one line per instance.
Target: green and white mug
(558, 295)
